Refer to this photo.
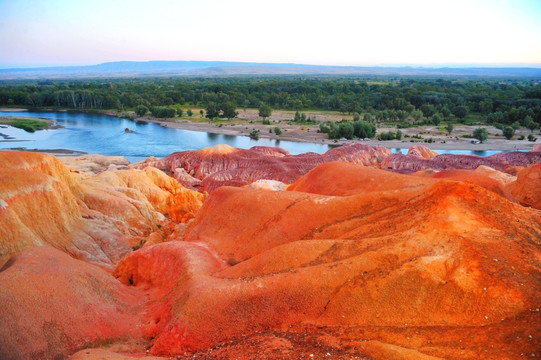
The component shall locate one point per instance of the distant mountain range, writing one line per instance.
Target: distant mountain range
(131, 69)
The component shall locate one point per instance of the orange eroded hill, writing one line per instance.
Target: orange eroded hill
(362, 271)
(527, 188)
(98, 218)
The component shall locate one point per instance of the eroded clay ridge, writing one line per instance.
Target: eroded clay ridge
(210, 168)
(349, 261)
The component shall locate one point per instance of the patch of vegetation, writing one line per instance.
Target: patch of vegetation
(480, 134)
(29, 125)
(141, 110)
(162, 112)
(404, 125)
(254, 134)
(508, 132)
(390, 135)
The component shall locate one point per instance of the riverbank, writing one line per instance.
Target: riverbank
(55, 152)
(248, 120)
(29, 123)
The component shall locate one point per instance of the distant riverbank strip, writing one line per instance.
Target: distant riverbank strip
(248, 122)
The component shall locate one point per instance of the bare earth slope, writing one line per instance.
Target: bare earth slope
(98, 218)
(366, 269)
(52, 305)
(351, 261)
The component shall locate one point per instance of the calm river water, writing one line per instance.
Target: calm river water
(102, 134)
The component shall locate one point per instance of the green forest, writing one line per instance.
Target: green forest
(380, 99)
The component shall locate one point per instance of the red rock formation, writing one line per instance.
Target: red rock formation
(351, 261)
(422, 152)
(340, 178)
(364, 269)
(96, 218)
(474, 177)
(223, 165)
(51, 305)
(509, 163)
(501, 177)
(527, 188)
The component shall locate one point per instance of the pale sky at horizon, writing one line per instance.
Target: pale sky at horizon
(339, 32)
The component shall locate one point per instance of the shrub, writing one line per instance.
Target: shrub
(162, 112)
(508, 132)
(141, 110)
(531, 138)
(254, 134)
(346, 129)
(404, 125)
(480, 134)
(390, 135)
(277, 131)
(323, 128)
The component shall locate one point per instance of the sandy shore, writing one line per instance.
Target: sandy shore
(309, 133)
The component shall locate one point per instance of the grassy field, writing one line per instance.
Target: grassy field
(29, 125)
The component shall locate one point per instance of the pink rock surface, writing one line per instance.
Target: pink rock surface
(223, 165)
(51, 305)
(509, 163)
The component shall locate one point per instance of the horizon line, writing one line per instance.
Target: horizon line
(380, 65)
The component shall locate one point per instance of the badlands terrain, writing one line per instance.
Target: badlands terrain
(225, 253)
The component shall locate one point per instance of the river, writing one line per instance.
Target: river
(103, 134)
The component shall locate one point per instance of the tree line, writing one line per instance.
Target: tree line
(387, 99)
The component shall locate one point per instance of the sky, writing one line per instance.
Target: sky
(335, 32)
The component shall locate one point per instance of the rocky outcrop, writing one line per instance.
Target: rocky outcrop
(527, 188)
(210, 168)
(422, 152)
(97, 218)
(95, 164)
(510, 163)
(360, 268)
